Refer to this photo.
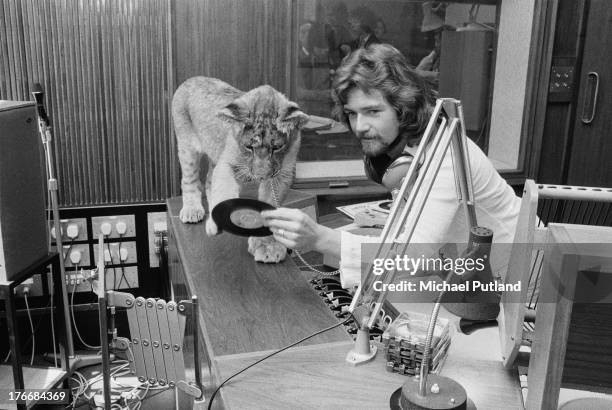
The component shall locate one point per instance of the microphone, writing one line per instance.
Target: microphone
(39, 96)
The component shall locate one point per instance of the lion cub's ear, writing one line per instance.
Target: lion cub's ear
(294, 116)
(237, 110)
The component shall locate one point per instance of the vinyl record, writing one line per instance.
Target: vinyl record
(240, 216)
(385, 206)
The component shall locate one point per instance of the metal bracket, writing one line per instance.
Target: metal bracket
(189, 388)
(119, 299)
(185, 306)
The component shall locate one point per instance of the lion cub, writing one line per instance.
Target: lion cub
(249, 136)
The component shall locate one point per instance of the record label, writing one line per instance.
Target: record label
(241, 216)
(246, 218)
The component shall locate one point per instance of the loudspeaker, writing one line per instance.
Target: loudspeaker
(23, 228)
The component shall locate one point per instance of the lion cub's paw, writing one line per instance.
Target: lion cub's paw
(266, 249)
(211, 227)
(192, 214)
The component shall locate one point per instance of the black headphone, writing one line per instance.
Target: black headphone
(386, 171)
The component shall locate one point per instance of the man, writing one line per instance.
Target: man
(387, 105)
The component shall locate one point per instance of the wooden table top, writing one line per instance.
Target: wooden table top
(248, 306)
(318, 377)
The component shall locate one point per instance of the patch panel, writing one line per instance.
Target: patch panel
(157, 227)
(74, 230)
(121, 253)
(113, 227)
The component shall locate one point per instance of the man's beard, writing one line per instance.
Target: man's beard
(373, 145)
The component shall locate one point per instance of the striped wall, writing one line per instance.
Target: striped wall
(105, 68)
(109, 68)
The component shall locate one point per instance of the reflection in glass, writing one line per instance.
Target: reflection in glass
(452, 43)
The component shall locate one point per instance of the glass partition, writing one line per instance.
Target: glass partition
(456, 44)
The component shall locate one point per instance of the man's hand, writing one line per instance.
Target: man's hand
(293, 228)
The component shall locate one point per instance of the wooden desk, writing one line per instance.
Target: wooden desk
(318, 377)
(248, 309)
(245, 306)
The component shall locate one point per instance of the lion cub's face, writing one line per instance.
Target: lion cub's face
(269, 129)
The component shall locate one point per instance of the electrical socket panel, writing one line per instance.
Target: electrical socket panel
(126, 222)
(122, 278)
(116, 249)
(156, 221)
(19, 290)
(84, 261)
(35, 285)
(75, 227)
(74, 280)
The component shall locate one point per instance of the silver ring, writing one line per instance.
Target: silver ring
(281, 233)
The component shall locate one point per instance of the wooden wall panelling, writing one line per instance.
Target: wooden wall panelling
(590, 145)
(241, 42)
(554, 143)
(105, 67)
(245, 43)
(540, 56)
(109, 70)
(559, 114)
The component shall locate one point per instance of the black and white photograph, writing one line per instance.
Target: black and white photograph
(306, 204)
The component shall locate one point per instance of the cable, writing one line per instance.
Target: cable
(67, 255)
(53, 327)
(25, 296)
(38, 324)
(155, 394)
(349, 318)
(299, 255)
(83, 385)
(80, 390)
(123, 277)
(74, 321)
(130, 393)
(51, 294)
(112, 262)
(312, 268)
(32, 332)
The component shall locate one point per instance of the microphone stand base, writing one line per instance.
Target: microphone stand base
(363, 351)
(447, 394)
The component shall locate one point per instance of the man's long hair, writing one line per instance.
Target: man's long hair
(382, 67)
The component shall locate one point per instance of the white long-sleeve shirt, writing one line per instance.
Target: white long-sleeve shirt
(443, 219)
